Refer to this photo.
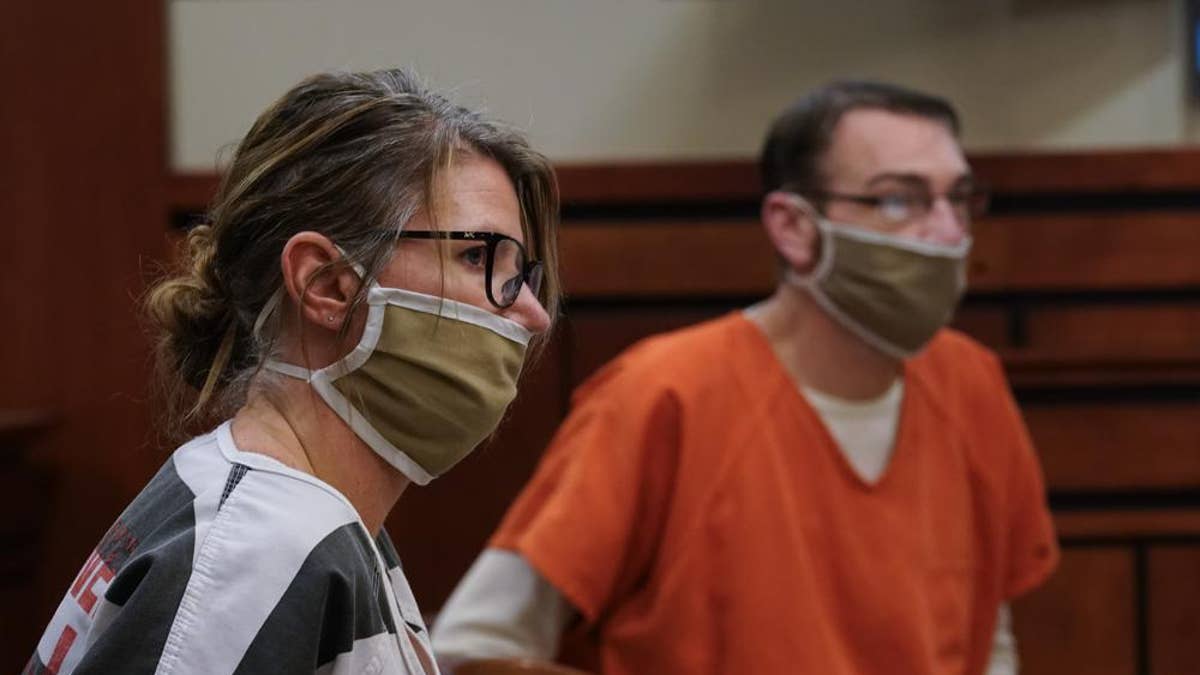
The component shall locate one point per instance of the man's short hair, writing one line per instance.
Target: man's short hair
(800, 136)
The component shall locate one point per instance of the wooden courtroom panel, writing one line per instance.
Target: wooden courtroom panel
(1134, 333)
(1083, 619)
(1128, 523)
(1040, 252)
(1079, 172)
(990, 325)
(599, 334)
(1174, 607)
(1074, 250)
(1117, 445)
(1128, 171)
(82, 162)
(666, 258)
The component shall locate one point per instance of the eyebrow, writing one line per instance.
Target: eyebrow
(489, 226)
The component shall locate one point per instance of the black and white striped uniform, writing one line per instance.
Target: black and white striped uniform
(231, 562)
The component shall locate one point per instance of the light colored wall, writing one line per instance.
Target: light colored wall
(599, 80)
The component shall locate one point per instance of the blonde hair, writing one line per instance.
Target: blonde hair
(353, 156)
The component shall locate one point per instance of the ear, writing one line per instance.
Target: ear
(791, 226)
(322, 294)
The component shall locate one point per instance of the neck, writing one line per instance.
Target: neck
(291, 423)
(820, 353)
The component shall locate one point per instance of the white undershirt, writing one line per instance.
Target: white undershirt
(504, 608)
(865, 431)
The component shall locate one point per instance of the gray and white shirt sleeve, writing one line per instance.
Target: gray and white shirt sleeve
(229, 562)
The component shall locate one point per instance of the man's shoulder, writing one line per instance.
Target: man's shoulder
(962, 378)
(245, 503)
(954, 356)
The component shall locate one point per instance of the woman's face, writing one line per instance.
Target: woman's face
(474, 195)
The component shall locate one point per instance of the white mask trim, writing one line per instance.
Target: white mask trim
(827, 227)
(452, 309)
(904, 243)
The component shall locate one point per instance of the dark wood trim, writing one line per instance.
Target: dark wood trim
(1142, 170)
(1096, 171)
(1128, 524)
(1103, 171)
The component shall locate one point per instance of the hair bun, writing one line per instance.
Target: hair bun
(191, 311)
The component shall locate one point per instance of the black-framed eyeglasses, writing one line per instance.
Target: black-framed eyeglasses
(969, 204)
(506, 268)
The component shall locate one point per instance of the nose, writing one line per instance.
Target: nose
(528, 312)
(943, 225)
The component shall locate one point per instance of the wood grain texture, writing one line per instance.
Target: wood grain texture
(1086, 251)
(1128, 525)
(1118, 445)
(82, 161)
(1174, 602)
(666, 259)
(1043, 253)
(597, 335)
(1082, 620)
(1132, 170)
(1144, 333)
(736, 179)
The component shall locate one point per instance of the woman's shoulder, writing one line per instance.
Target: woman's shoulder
(248, 504)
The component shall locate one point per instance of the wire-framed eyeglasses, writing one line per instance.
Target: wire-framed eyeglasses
(506, 266)
(968, 203)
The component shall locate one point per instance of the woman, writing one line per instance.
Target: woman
(358, 311)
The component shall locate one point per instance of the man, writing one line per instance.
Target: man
(827, 482)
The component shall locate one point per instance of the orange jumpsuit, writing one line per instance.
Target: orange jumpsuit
(698, 514)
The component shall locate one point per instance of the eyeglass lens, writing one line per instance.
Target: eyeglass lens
(508, 268)
(968, 205)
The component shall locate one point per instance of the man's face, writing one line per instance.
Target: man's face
(876, 153)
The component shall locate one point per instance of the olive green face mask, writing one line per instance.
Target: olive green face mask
(430, 379)
(892, 292)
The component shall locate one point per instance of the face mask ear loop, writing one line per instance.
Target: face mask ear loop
(358, 269)
(824, 262)
(268, 309)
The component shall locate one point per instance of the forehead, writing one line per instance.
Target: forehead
(475, 193)
(867, 143)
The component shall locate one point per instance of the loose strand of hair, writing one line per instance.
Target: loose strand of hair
(212, 381)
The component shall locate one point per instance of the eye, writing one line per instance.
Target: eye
(476, 256)
(897, 206)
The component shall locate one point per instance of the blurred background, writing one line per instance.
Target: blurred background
(1081, 115)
